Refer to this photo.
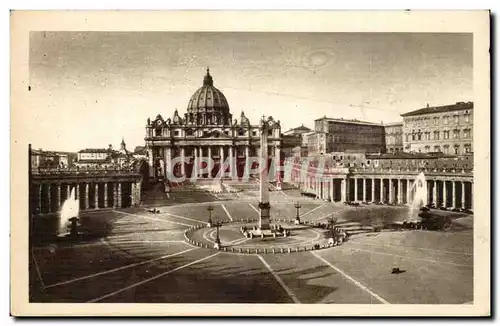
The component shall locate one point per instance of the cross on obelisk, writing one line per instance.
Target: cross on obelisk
(264, 205)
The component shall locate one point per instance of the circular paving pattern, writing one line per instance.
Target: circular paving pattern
(300, 238)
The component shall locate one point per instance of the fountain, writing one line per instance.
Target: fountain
(69, 213)
(419, 197)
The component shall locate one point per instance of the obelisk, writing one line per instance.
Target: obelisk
(264, 205)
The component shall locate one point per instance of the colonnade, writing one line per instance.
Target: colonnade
(192, 157)
(440, 192)
(48, 197)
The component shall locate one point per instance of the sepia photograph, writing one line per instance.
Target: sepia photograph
(252, 166)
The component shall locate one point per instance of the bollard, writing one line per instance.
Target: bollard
(289, 250)
(265, 250)
(297, 250)
(225, 249)
(241, 250)
(282, 250)
(248, 250)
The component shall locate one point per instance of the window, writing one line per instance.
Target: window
(254, 133)
(446, 134)
(436, 135)
(241, 132)
(226, 132)
(176, 133)
(456, 149)
(437, 149)
(467, 148)
(427, 149)
(455, 118)
(456, 134)
(419, 135)
(445, 120)
(158, 132)
(446, 149)
(466, 133)
(467, 117)
(189, 132)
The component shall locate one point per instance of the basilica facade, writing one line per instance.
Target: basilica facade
(207, 130)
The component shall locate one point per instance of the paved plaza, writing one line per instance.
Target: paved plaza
(144, 257)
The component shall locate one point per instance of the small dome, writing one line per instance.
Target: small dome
(208, 98)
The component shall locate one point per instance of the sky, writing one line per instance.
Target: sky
(90, 89)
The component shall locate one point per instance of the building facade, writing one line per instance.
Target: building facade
(449, 184)
(342, 135)
(394, 137)
(51, 159)
(447, 129)
(206, 131)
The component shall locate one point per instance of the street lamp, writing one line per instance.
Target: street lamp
(297, 218)
(210, 209)
(217, 245)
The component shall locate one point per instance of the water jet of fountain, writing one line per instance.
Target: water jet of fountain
(419, 199)
(70, 209)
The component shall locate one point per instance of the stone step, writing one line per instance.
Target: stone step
(357, 232)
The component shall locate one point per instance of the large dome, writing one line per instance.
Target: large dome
(208, 98)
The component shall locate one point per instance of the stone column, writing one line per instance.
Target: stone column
(115, 194)
(373, 190)
(105, 194)
(390, 191)
(364, 190)
(355, 189)
(194, 171)
(200, 157)
(68, 191)
(445, 195)
(221, 161)
(381, 190)
(231, 162)
(96, 196)
(434, 192)
(49, 199)
(132, 193)
(277, 155)
(453, 195)
(472, 196)
(150, 163)
(87, 186)
(343, 190)
(332, 190)
(400, 191)
(210, 167)
(39, 199)
(58, 196)
(408, 191)
(119, 194)
(168, 161)
(77, 193)
(183, 164)
(462, 203)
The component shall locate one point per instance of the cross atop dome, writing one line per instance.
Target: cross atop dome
(207, 80)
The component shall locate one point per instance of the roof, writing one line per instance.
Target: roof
(208, 97)
(439, 109)
(93, 150)
(104, 160)
(392, 124)
(299, 128)
(405, 155)
(349, 121)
